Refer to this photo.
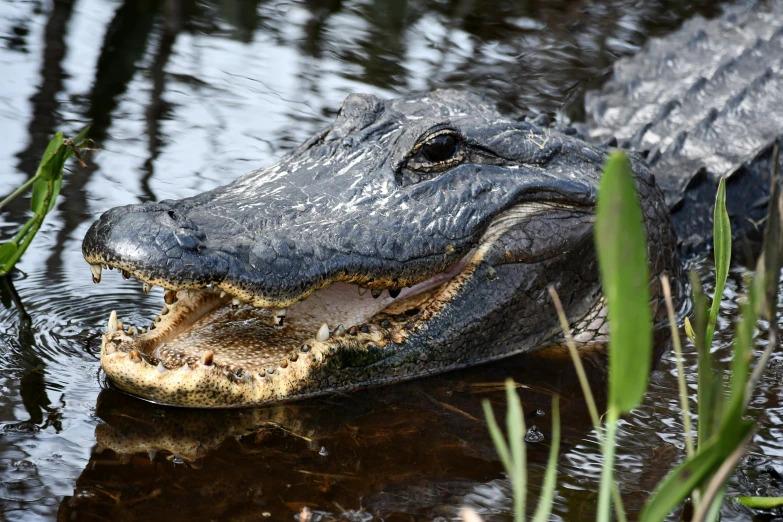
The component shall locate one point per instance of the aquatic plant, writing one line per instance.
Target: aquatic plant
(46, 185)
(723, 431)
(513, 454)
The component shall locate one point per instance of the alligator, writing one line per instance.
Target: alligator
(421, 234)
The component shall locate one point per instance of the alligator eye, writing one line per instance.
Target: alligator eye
(437, 152)
(440, 148)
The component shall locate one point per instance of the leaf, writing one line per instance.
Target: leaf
(7, 251)
(501, 448)
(761, 502)
(40, 191)
(51, 149)
(57, 184)
(743, 344)
(515, 425)
(708, 396)
(722, 247)
(681, 481)
(689, 331)
(80, 137)
(622, 255)
(772, 251)
(544, 508)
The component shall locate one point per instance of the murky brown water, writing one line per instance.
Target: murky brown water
(184, 96)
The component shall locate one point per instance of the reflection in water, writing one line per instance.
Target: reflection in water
(407, 449)
(183, 96)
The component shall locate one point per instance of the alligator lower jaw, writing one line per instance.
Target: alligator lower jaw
(206, 349)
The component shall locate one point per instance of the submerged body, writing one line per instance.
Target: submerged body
(418, 235)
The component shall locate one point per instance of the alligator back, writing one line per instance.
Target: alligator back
(702, 103)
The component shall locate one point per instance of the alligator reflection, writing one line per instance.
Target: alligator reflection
(415, 448)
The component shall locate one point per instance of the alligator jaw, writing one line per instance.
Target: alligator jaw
(206, 350)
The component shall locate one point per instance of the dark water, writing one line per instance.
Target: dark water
(184, 96)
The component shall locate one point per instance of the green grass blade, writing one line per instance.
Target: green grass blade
(622, 255)
(713, 513)
(772, 252)
(544, 508)
(743, 349)
(678, 484)
(761, 502)
(707, 396)
(515, 426)
(497, 437)
(722, 247)
(607, 470)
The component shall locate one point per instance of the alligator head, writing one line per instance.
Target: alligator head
(410, 237)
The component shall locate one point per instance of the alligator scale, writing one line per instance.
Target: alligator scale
(420, 234)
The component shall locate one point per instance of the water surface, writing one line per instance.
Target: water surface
(183, 96)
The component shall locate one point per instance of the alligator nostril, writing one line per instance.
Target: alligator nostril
(172, 215)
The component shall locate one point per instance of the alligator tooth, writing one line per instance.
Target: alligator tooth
(362, 290)
(135, 356)
(206, 357)
(161, 368)
(131, 331)
(151, 454)
(222, 294)
(143, 330)
(376, 293)
(170, 297)
(113, 326)
(323, 333)
(353, 330)
(386, 324)
(191, 293)
(279, 316)
(185, 368)
(96, 273)
(304, 348)
(120, 326)
(339, 331)
(294, 356)
(125, 274)
(164, 310)
(284, 363)
(235, 302)
(394, 292)
(146, 287)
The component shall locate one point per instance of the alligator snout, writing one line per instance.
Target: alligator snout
(154, 242)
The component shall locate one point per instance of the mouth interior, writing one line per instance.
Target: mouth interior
(241, 336)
